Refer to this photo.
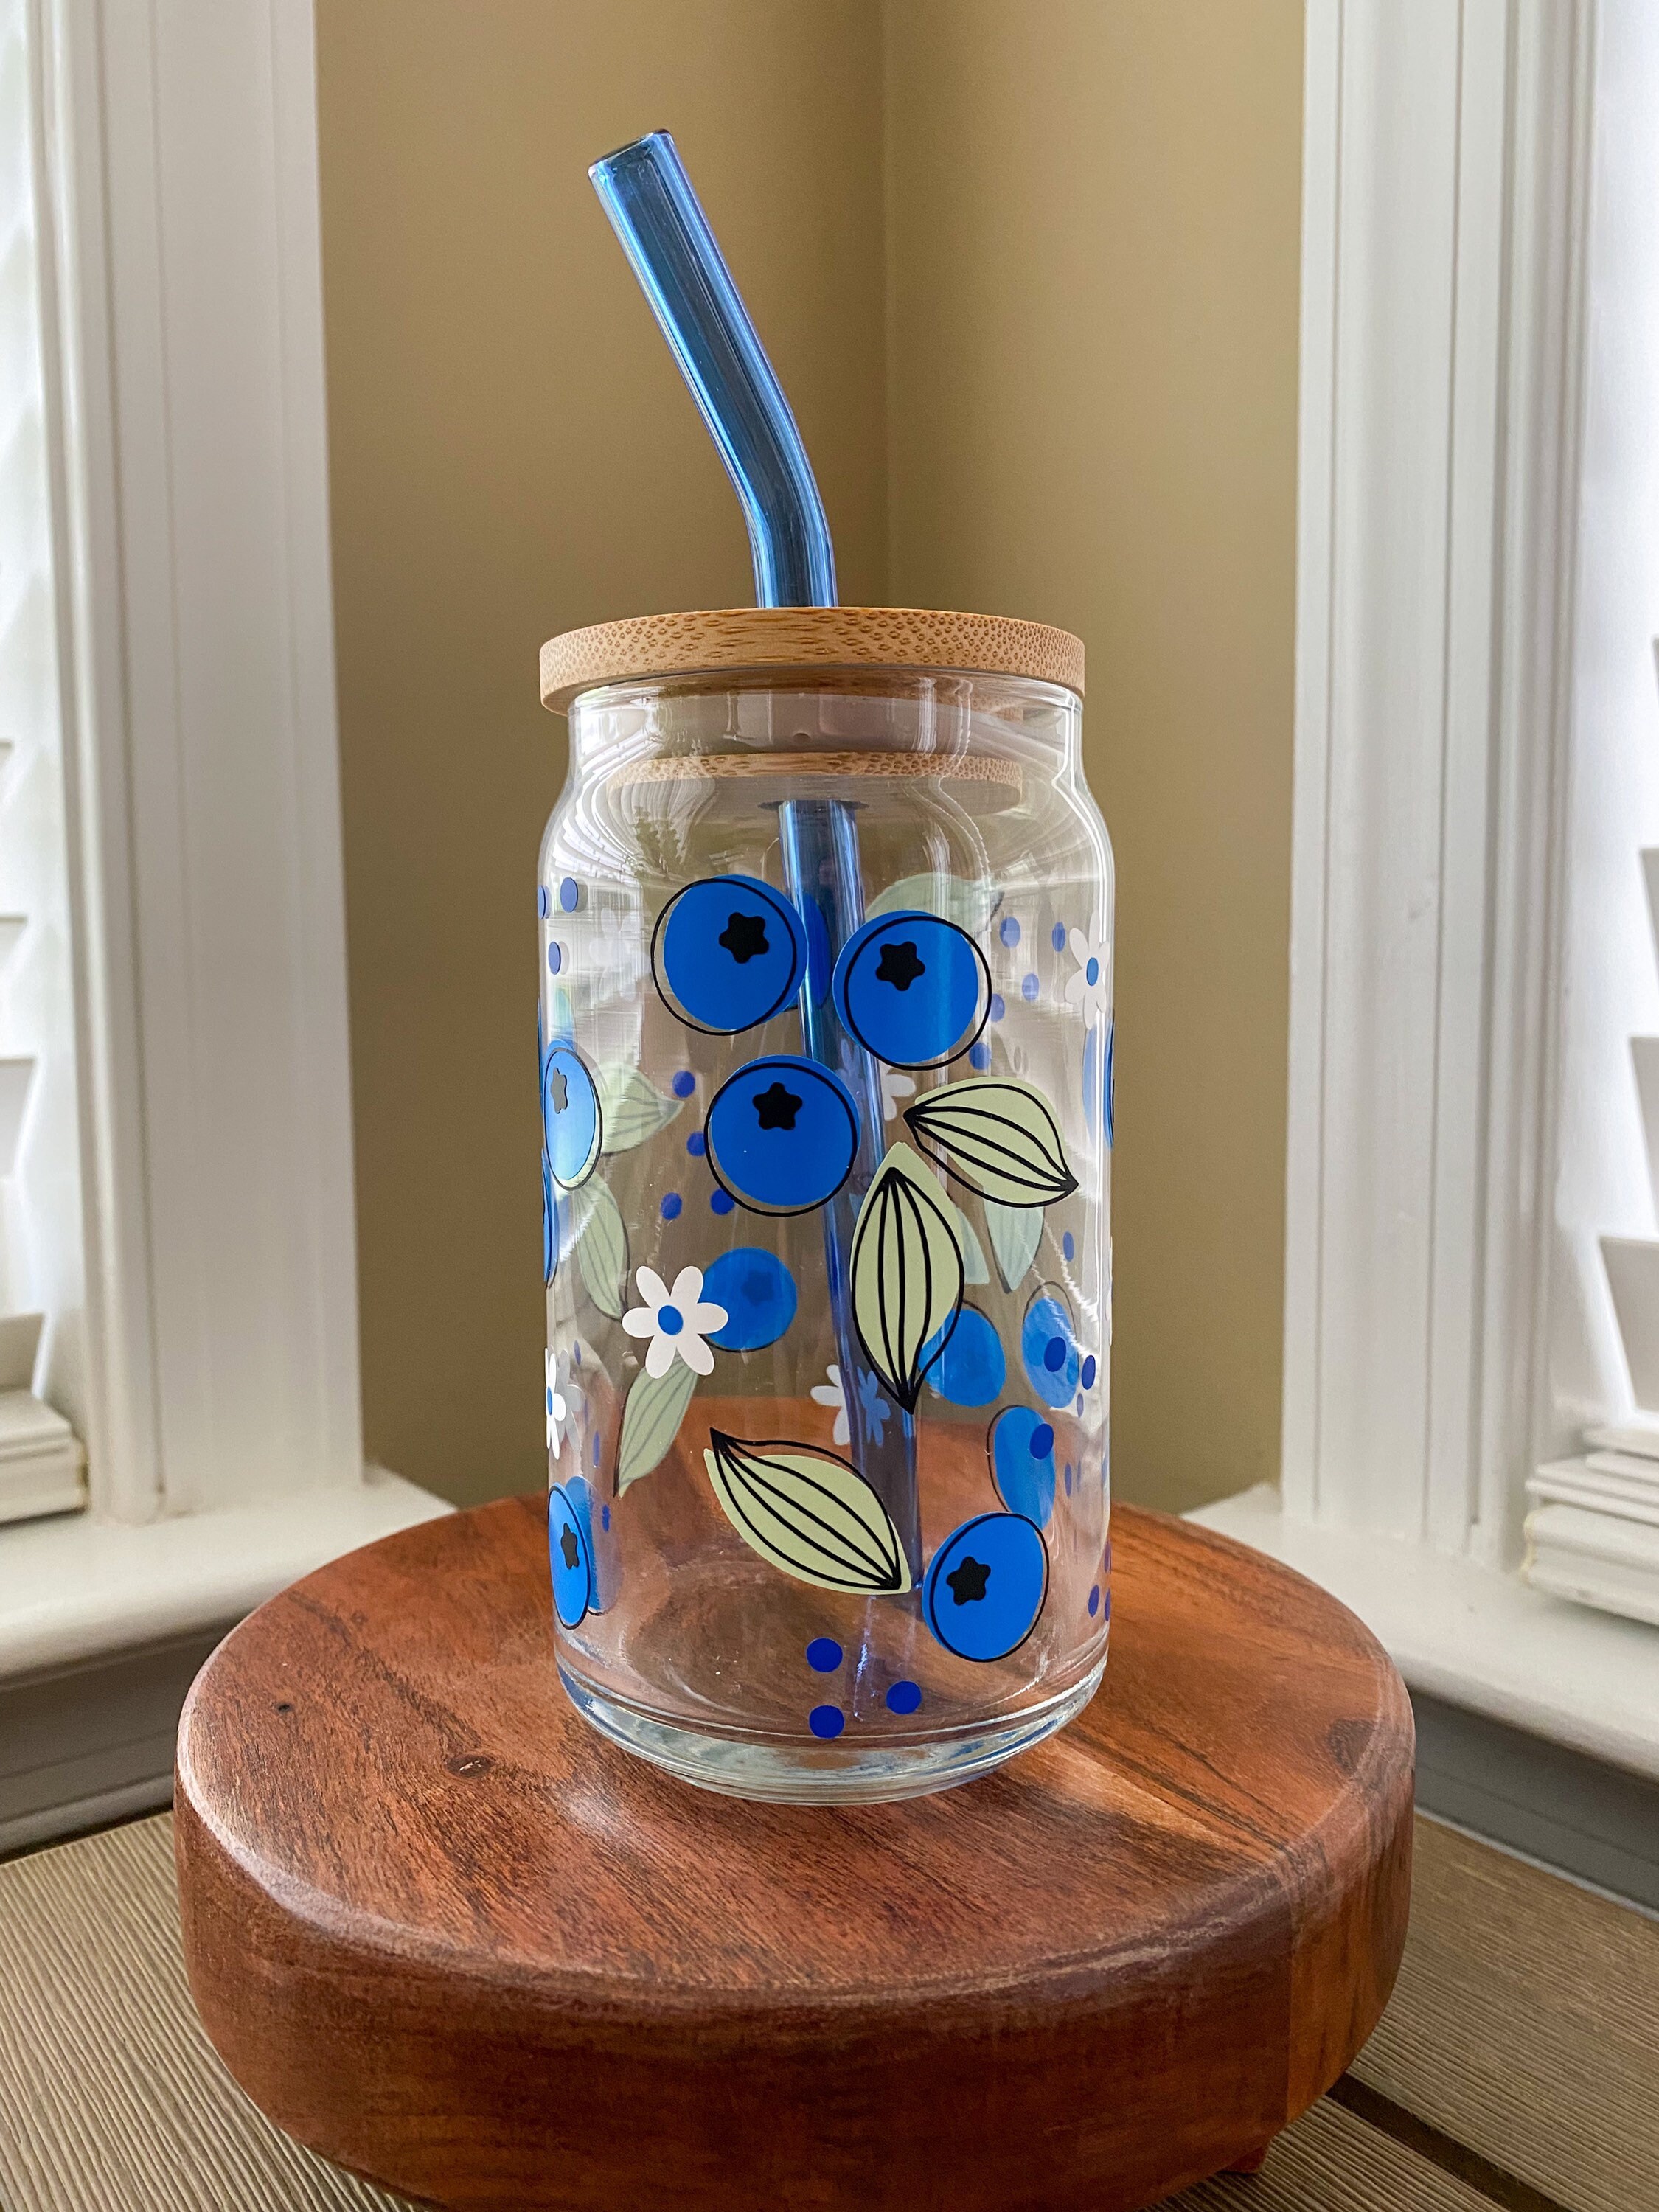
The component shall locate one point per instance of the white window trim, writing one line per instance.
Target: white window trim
(1446, 204)
(184, 315)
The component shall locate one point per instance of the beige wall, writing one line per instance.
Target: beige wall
(1094, 209)
(1040, 333)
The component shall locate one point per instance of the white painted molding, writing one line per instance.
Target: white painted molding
(197, 665)
(1445, 196)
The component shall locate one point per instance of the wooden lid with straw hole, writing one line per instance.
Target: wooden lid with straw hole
(650, 646)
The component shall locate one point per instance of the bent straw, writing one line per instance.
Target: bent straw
(665, 235)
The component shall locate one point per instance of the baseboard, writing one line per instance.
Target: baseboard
(92, 1743)
(1598, 1823)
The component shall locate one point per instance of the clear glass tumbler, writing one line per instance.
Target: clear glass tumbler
(826, 1084)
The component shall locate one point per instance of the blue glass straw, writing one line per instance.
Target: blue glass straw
(665, 235)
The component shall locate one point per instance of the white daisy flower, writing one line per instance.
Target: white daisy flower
(1087, 989)
(895, 1085)
(676, 1322)
(563, 1400)
(832, 1394)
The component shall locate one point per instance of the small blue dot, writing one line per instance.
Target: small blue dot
(696, 1145)
(575, 1355)
(554, 957)
(1079, 1406)
(1068, 1246)
(1094, 1602)
(1068, 1477)
(979, 1056)
(596, 1451)
(826, 1720)
(1057, 936)
(569, 892)
(1042, 1441)
(684, 1084)
(998, 1010)
(1010, 932)
(1054, 1354)
(823, 1655)
(904, 1696)
(670, 1320)
(721, 1201)
(1106, 1604)
(544, 904)
(604, 1516)
(1091, 971)
(1029, 989)
(670, 1206)
(1089, 1371)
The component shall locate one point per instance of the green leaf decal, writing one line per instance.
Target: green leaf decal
(632, 1108)
(907, 1270)
(996, 1137)
(651, 1420)
(810, 1514)
(972, 1252)
(602, 1250)
(1015, 1231)
(953, 899)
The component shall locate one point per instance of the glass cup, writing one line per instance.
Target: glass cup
(826, 1088)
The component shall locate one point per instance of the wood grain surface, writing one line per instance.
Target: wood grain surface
(650, 646)
(446, 1935)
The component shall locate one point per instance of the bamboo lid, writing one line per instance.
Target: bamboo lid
(652, 646)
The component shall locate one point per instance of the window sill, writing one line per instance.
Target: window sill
(73, 1588)
(1474, 1637)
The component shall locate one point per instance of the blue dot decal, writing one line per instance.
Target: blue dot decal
(728, 952)
(998, 1009)
(971, 1370)
(570, 1117)
(986, 1586)
(720, 1201)
(696, 1145)
(904, 1696)
(1068, 1247)
(1057, 936)
(1094, 1601)
(1009, 932)
(826, 1720)
(979, 1056)
(671, 1205)
(913, 989)
(684, 1082)
(1089, 1371)
(1048, 1349)
(543, 904)
(1029, 989)
(823, 1655)
(1022, 1453)
(571, 1555)
(569, 895)
(758, 1293)
(782, 1134)
(554, 957)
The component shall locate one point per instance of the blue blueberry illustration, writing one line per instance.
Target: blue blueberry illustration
(1047, 1347)
(759, 1294)
(728, 952)
(986, 1586)
(570, 1117)
(912, 989)
(1021, 1450)
(971, 1369)
(579, 1500)
(571, 1554)
(782, 1134)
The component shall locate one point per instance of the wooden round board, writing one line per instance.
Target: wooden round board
(444, 1934)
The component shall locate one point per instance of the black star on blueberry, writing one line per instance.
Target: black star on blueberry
(559, 1084)
(776, 1108)
(968, 1582)
(744, 936)
(567, 1544)
(899, 965)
